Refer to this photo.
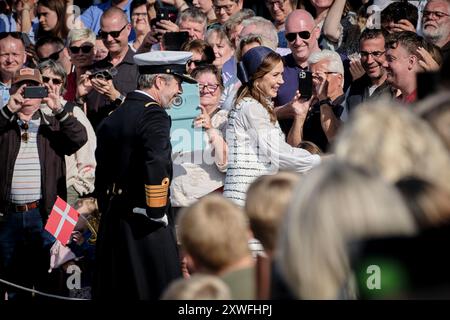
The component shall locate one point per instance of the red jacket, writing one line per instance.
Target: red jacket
(58, 135)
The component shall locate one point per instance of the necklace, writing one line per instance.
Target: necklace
(25, 135)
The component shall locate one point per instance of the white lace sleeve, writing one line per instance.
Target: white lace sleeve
(270, 142)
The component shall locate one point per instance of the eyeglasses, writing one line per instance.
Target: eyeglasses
(322, 74)
(280, 3)
(115, 34)
(210, 87)
(25, 135)
(84, 49)
(228, 8)
(16, 35)
(54, 56)
(196, 62)
(375, 54)
(55, 81)
(292, 36)
(437, 14)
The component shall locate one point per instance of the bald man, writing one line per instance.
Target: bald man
(101, 95)
(302, 36)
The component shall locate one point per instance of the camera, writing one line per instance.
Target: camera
(103, 74)
(305, 84)
(35, 92)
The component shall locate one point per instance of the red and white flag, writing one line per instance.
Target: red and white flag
(62, 221)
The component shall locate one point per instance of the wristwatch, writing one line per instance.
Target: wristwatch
(119, 100)
(326, 101)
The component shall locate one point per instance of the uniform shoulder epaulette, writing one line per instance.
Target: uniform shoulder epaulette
(152, 104)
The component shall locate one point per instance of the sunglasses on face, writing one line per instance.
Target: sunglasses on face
(292, 36)
(54, 56)
(115, 34)
(15, 35)
(84, 49)
(55, 81)
(196, 62)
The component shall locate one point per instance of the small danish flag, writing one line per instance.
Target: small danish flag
(62, 221)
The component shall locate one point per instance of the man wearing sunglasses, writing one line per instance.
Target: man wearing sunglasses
(436, 24)
(32, 149)
(12, 58)
(105, 95)
(301, 35)
(53, 48)
(133, 177)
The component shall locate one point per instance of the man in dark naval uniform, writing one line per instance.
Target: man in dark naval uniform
(137, 253)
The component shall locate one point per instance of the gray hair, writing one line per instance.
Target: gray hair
(146, 81)
(333, 59)
(57, 69)
(219, 30)
(81, 34)
(195, 15)
(265, 29)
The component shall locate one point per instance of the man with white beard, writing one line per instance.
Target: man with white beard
(436, 24)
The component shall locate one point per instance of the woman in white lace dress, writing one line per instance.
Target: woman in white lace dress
(257, 146)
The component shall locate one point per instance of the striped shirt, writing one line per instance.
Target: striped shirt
(26, 182)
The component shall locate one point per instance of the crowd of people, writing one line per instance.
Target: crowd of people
(327, 148)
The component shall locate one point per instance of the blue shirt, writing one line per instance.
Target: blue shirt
(91, 17)
(8, 24)
(4, 91)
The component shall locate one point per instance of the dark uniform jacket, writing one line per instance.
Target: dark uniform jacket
(55, 139)
(125, 81)
(137, 256)
(359, 92)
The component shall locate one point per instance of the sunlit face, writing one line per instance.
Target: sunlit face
(373, 57)
(302, 48)
(47, 18)
(398, 65)
(52, 82)
(169, 90)
(139, 19)
(210, 91)
(115, 23)
(271, 81)
(321, 73)
(77, 53)
(279, 9)
(205, 6)
(436, 20)
(222, 50)
(12, 55)
(224, 9)
(196, 30)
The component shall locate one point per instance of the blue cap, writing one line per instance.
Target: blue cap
(250, 62)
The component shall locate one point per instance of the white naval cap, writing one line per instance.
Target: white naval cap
(166, 62)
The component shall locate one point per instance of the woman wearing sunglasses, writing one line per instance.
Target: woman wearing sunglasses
(81, 165)
(82, 50)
